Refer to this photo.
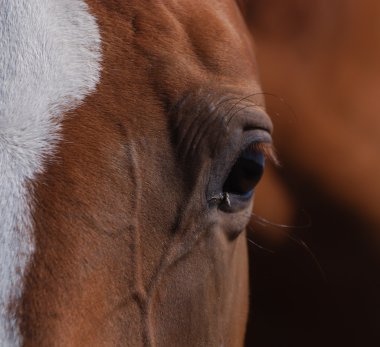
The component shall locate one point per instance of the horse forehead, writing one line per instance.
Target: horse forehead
(49, 61)
(195, 39)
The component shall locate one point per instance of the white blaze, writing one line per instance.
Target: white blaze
(49, 61)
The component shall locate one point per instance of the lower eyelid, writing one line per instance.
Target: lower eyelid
(247, 195)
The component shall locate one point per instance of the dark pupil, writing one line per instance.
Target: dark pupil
(245, 174)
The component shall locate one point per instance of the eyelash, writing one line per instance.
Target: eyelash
(267, 149)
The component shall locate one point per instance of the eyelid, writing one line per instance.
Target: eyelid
(267, 149)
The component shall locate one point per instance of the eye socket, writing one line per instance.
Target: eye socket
(245, 174)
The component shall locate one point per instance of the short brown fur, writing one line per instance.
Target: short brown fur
(125, 254)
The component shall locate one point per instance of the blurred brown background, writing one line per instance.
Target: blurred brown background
(322, 57)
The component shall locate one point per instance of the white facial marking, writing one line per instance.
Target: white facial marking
(49, 61)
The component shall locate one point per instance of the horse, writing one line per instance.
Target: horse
(132, 137)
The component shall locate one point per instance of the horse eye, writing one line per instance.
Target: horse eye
(245, 174)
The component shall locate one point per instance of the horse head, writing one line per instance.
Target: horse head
(132, 137)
